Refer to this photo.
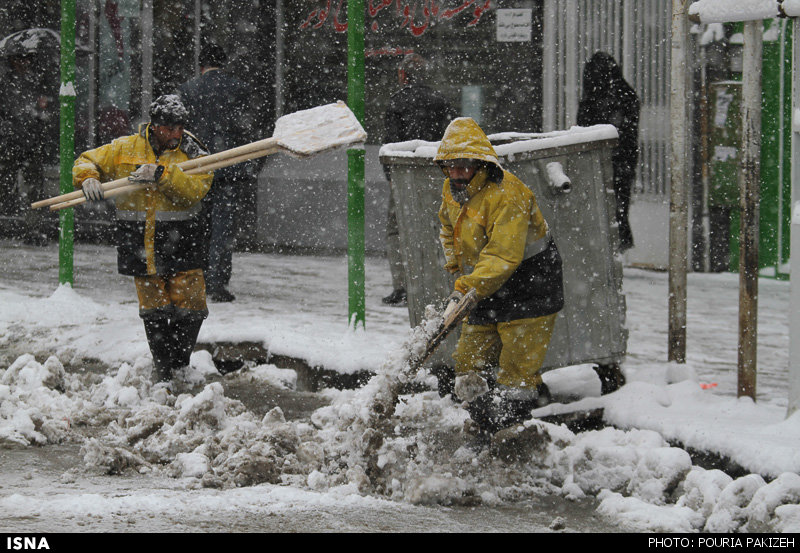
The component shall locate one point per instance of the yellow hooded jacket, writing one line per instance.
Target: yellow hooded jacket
(158, 230)
(498, 240)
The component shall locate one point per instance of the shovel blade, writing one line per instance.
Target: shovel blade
(315, 130)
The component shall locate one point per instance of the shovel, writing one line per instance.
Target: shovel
(300, 134)
(453, 315)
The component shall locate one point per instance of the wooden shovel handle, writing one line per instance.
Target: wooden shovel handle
(467, 303)
(123, 186)
(207, 163)
(268, 144)
(110, 185)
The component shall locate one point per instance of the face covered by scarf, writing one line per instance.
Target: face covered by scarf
(461, 181)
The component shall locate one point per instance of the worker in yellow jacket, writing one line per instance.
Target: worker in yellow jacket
(497, 241)
(158, 228)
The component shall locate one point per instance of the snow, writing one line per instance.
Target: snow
(67, 89)
(723, 11)
(791, 7)
(714, 32)
(320, 128)
(509, 144)
(354, 450)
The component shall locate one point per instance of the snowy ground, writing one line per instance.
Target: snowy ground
(74, 381)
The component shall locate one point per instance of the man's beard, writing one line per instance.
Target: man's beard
(458, 189)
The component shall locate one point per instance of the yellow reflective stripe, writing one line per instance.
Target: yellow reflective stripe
(186, 214)
(536, 247)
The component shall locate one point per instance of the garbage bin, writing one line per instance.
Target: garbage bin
(571, 175)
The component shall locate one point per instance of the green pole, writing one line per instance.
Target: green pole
(67, 140)
(355, 164)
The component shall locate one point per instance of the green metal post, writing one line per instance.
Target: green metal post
(67, 140)
(355, 164)
(776, 101)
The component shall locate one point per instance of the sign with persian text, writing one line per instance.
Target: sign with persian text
(416, 16)
(514, 25)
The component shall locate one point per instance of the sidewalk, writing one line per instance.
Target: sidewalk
(296, 307)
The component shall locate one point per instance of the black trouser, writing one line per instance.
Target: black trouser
(221, 215)
(623, 185)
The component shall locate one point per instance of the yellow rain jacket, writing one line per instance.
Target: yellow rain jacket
(498, 240)
(158, 230)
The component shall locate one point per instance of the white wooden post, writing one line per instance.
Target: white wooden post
(749, 195)
(679, 206)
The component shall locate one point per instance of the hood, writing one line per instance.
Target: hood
(464, 139)
(602, 74)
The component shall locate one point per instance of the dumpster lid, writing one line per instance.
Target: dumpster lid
(507, 144)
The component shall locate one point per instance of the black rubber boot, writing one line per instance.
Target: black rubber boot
(185, 329)
(398, 298)
(158, 332)
(512, 409)
(445, 379)
(482, 411)
(611, 377)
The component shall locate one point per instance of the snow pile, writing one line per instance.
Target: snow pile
(383, 440)
(33, 408)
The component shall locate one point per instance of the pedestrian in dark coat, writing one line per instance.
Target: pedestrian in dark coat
(609, 99)
(415, 112)
(219, 109)
(29, 92)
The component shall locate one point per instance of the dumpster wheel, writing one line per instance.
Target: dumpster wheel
(611, 377)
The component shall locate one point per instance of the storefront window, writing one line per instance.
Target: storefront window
(489, 75)
(117, 22)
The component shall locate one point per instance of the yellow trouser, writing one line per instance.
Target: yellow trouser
(184, 290)
(516, 347)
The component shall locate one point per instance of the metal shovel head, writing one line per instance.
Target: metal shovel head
(315, 130)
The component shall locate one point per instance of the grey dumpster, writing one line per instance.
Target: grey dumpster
(302, 203)
(570, 173)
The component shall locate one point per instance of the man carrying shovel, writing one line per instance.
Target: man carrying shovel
(497, 242)
(158, 227)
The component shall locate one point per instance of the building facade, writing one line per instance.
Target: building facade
(513, 65)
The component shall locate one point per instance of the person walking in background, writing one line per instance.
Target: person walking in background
(415, 112)
(609, 99)
(158, 229)
(220, 115)
(29, 92)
